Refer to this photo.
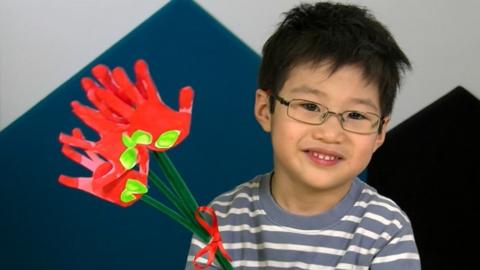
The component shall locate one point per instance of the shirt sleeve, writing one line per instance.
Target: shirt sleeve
(195, 246)
(399, 253)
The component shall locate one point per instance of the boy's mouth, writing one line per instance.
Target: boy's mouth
(322, 157)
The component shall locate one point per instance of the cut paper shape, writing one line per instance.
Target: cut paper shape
(132, 187)
(127, 117)
(139, 105)
(104, 182)
(181, 41)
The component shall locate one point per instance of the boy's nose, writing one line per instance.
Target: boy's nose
(330, 130)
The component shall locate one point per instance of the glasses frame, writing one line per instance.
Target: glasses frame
(329, 113)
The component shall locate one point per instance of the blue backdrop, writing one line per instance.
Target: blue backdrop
(47, 226)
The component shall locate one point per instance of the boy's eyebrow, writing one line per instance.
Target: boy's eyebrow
(366, 102)
(308, 90)
(317, 92)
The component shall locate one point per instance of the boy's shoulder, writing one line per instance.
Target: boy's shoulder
(368, 205)
(245, 193)
(376, 206)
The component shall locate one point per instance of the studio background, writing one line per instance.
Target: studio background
(47, 46)
(43, 43)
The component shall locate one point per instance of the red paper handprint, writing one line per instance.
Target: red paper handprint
(129, 119)
(123, 189)
(140, 106)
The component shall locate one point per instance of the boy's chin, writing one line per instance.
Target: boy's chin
(325, 182)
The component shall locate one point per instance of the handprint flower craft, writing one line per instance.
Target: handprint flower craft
(131, 120)
(127, 120)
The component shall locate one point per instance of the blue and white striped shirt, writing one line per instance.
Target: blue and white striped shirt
(363, 231)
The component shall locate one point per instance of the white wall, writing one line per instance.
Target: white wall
(43, 43)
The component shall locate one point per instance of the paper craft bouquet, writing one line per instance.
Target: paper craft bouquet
(131, 120)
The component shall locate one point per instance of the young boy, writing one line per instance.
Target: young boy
(327, 83)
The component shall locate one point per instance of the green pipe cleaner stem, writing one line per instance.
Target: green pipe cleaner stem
(197, 230)
(176, 180)
(175, 200)
(170, 213)
(181, 189)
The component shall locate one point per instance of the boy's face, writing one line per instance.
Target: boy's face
(320, 157)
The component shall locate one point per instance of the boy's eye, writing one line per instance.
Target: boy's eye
(310, 107)
(356, 116)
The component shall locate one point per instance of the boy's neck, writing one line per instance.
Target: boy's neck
(304, 201)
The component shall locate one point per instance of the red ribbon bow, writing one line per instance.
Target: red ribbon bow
(214, 243)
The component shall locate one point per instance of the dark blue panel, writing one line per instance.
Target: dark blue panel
(363, 175)
(47, 226)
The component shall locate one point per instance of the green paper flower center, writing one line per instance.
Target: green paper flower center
(132, 187)
(167, 139)
(128, 158)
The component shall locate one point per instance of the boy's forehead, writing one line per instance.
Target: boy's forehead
(319, 72)
(316, 81)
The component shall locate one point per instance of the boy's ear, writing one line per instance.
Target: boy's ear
(381, 136)
(262, 109)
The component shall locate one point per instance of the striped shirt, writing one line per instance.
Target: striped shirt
(363, 231)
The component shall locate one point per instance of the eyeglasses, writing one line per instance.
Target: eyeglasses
(310, 112)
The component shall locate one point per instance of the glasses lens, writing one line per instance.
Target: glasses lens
(307, 111)
(360, 122)
(314, 113)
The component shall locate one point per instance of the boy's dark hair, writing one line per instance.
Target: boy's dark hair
(340, 34)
